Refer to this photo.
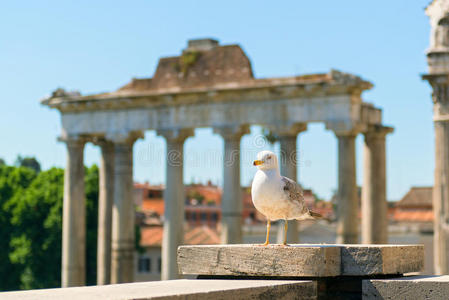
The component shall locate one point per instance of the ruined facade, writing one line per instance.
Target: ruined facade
(210, 85)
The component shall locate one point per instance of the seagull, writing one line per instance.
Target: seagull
(275, 196)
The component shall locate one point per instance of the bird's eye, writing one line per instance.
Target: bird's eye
(269, 157)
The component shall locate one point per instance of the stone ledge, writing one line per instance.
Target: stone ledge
(300, 260)
(413, 287)
(178, 289)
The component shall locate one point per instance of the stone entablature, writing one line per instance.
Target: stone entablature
(334, 102)
(338, 112)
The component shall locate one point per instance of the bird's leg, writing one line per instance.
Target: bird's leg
(267, 241)
(285, 231)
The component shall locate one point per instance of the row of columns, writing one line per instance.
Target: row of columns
(115, 244)
(374, 202)
(116, 208)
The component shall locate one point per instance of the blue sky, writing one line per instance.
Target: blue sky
(96, 46)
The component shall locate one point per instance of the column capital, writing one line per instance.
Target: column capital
(102, 142)
(345, 129)
(176, 135)
(347, 133)
(440, 95)
(232, 132)
(287, 130)
(378, 131)
(125, 137)
(439, 84)
(73, 140)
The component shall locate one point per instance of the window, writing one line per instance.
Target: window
(144, 264)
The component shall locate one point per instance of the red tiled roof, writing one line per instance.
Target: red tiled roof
(151, 236)
(417, 197)
(201, 235)
(419, 215)
(155, 204)
(211, 193)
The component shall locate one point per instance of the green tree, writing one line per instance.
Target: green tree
(13, 181)
(37, 223)
(91, 188)
(36, 219)
(29, 162)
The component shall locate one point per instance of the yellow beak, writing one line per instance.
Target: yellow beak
(257, 162)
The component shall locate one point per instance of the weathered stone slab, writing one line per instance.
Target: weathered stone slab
(300, 260)
(413, 287)
(254, 260)
(362, 260)
(178, 289)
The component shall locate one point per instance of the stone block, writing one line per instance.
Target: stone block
(412, 287)
(178, 289)
(254, 260)
(300, 260)
(366, 260)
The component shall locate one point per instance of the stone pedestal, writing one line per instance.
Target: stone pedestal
(338, 270)
(73, 271)
(105, 201)
(300, 260)
(231, 202)
(174, 197)
(374, 192)
(347, 200)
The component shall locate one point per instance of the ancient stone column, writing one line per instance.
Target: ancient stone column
(231, 203)
(441, 198)
(438, 78)
(123, 211)
(73, 270)
(347, 199)
(105, 201)
(440, 85)
(374, 198)
(174, 197)
(288, 167)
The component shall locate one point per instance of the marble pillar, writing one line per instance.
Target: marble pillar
(174, 198)
(440, 95)
(73, 271)
(123, 211)
(231, 203)
(347, 198)
(105, 201)
(287, 136)
(374, 198)
(441, 198)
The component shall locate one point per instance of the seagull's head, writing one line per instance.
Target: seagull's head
(266, 160)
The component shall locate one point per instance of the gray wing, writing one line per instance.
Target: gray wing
(294, 192)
